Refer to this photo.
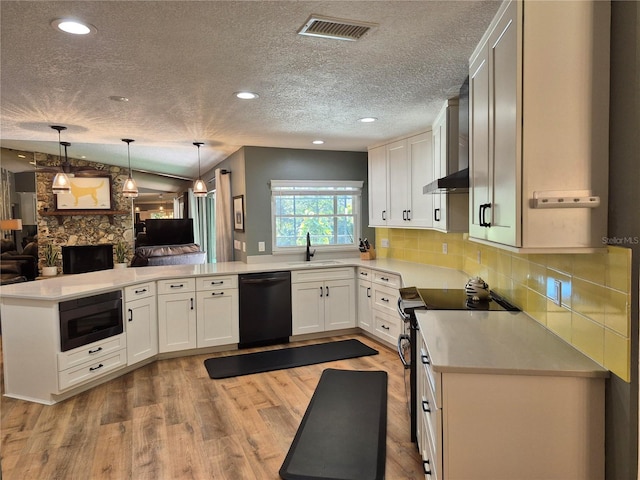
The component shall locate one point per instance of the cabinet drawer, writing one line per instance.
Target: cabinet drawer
(214, 283)
(430, 462)
(434, 379)
(432, 415)
(91, 352)
(364, 274)
(141, 290)
(176, 285)
(90, 370)
(385, 299)
(386, 326)
(388, 279)
(321, 274)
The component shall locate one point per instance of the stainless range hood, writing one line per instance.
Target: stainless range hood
(457, 182)
(454, 183)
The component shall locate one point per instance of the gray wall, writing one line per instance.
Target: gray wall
(624, 222)
(265, 164)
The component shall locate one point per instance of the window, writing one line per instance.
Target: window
(328, 210)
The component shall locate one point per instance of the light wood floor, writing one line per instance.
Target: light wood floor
(169, 420)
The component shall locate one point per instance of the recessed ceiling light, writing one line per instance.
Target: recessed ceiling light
(367, 119)
(73, 26)
(318, 142)
(246, 95)
(117, 98)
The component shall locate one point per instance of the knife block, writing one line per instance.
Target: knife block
(368, 255)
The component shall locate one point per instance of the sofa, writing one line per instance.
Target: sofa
(15, 267)
(184, 254)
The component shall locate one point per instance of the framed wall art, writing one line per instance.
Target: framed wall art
(238, 213)
(87, 193)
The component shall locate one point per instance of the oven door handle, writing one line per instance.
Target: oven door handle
(403, 316)
(402, 337)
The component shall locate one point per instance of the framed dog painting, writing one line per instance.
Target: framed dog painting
(87, 193)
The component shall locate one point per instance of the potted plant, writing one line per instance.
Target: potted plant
(120, 251)
(50, 260)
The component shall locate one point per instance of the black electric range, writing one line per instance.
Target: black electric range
(412, 299)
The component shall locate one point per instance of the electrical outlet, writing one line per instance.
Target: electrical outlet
(445, 248)
(557, 291)
(479, 256)
(236, 244)
(384, 243)
(244, 246)
(261, 247)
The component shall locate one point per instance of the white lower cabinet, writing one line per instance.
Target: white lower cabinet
(365, 303)
(176, 315)
(141, 322)
(386, 323)
(322, 300)
(217, 311)
(92, 361)
(483, 425)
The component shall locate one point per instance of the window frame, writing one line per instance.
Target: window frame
(318, 187)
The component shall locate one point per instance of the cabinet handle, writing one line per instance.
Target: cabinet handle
(384, 299)
(213, 294)
(364, 274)
(408, 215)
(321, 292)
(427, 467)
(404, 214)
(327, 291)
(436, 215)
(130, 314)
(385, 327)
(221, 282)
(191, 303)
(93, 369)
(384, 213)
(91, 352)
(384, 279)
(140, 291)
(425, 406)
(177, 286)
(483, 211)
(368, 292)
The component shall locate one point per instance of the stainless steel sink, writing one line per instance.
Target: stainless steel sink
(315, 263)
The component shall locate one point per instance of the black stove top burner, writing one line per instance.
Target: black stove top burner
(450, 299)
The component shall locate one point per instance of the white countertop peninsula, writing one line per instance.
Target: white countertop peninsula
(65, 287)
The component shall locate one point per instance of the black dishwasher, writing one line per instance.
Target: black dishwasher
(265, 308)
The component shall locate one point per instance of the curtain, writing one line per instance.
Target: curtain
(195, 213)
(210, 203)
(224, 245)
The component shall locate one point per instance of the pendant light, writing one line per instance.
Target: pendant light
(129, 189)
(199, 187)
(61, 180)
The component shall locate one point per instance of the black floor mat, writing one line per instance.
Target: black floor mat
(343, 433)
(248, 363)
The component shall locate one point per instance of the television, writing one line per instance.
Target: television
(169, 231)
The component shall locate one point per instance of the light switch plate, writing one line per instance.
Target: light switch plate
(261, 246)
(384, 243)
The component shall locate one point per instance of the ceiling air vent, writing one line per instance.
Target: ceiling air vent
(336, 28)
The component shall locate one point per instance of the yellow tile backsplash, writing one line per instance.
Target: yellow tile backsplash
(595, 289)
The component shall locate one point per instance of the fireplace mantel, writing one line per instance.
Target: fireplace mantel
(60, 214)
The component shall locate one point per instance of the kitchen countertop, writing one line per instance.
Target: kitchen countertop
(499, 343)
(64, 287)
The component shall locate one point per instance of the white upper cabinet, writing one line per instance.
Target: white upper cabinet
(397, 173)
(538, 122)
(378, 186)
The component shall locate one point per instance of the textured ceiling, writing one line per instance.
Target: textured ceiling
(179, 63)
